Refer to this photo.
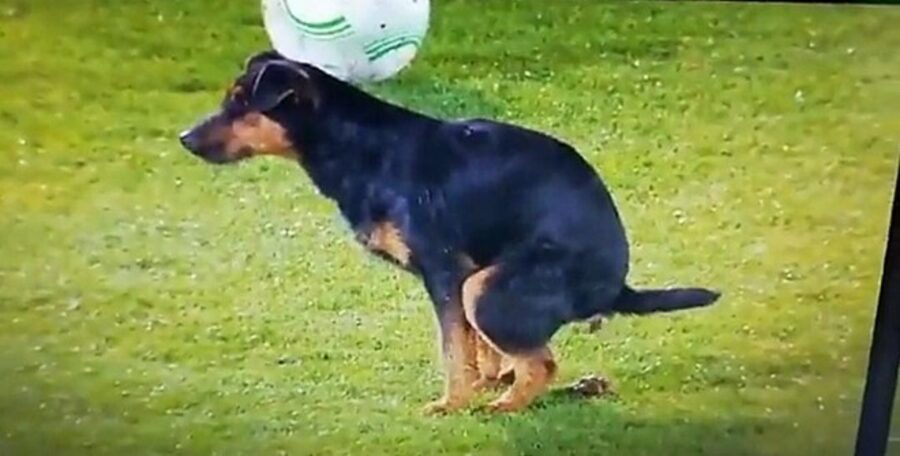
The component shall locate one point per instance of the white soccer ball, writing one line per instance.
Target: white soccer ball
(354, 40)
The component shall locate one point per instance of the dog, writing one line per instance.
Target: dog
(511, 231)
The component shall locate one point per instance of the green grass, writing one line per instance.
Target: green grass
(151, 304)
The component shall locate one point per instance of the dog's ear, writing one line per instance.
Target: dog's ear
(280, 80)
(261, 58)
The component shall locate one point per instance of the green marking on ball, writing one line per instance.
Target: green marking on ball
(374, 46)
(333, 28)
(330, 38)
(379, 48)
(394, 47)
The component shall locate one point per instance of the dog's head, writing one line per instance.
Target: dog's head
(260, 114)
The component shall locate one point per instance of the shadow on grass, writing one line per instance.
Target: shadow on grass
(563, 424)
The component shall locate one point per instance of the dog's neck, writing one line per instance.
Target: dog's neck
(353, 136)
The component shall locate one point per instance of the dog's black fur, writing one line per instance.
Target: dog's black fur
(458, 196)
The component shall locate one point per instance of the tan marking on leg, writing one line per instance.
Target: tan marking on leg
(534, 373)
(489, 356)
(507, 372)
(489, 363)
(387, 239)
(473, 288)
(461, 371)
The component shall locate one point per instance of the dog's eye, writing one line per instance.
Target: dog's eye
(235, 100)
(236, 95)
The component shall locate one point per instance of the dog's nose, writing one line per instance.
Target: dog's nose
(188, 140)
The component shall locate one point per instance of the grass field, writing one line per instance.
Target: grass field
(151, 304)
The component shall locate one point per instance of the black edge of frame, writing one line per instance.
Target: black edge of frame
(881, 378)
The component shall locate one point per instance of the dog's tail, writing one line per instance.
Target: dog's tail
(640, 302)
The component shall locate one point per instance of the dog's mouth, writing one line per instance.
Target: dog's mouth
(215, 159)
(189, 140)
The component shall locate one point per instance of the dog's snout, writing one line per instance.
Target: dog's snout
(188, 140)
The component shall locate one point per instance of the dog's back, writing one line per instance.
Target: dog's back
(507, 188)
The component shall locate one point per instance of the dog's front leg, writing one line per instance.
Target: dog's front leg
(457, 337)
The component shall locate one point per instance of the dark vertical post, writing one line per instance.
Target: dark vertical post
(884, 356)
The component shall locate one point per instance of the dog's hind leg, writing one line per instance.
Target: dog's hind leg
(490, 363)
(534, 372)
(517, 322)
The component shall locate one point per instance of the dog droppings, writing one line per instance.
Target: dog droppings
(590, 386)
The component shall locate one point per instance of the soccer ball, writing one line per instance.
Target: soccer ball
(354, 40)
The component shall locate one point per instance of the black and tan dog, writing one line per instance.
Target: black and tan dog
(511, 231)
